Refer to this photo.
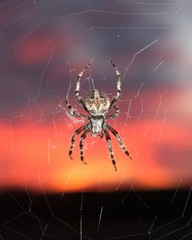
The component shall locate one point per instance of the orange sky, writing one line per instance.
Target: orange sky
(158, 133)
(35, 155)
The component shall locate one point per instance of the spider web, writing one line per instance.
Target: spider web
(44, 45)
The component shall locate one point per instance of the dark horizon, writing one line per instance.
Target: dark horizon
(133, 215)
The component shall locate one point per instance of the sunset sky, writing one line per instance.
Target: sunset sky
(44, 46)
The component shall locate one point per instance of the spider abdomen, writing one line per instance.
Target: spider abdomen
(97, 103)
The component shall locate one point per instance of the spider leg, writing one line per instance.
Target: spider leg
(78, 131)
(77, 89)
(118, 90)
(116, 134)
(81, 144)
(108, 139)
(117, 111)
(73, 111)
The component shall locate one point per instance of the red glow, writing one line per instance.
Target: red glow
(35, 51)
(36, 156)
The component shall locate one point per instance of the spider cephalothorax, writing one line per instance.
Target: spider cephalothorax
(97, 104)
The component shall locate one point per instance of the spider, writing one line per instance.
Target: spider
(97, 105)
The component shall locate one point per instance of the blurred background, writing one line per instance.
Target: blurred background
(44, 44)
